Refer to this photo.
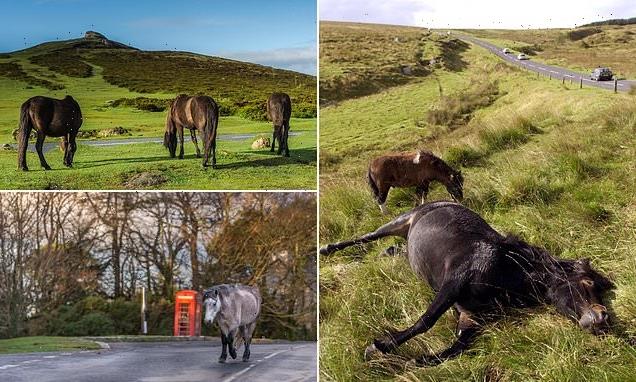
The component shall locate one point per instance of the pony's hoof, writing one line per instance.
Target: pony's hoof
(246, 359)
(222, 360)
(233, 354)
(287, 155)
(24, 168)
(370, 352)
(47, 167)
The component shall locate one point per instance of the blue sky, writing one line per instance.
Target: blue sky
(279, 33)
(504, 14)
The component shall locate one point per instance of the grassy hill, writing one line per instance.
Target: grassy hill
(362, 59)
(551, 163)
(123, 92)
(581, 49)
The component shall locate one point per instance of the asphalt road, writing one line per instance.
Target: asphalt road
(50, 145)
(165, 362)
(547, 70)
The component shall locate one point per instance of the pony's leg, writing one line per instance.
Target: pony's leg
(65, 144)
(72, 149)
(224, 341)
(397, 227)
(383, 193)
(248, 330)
(286, 135)
(230, 343)
(445, 298)
(422, 192)
(214, 152)
(279, 134)
(273, 140)
(467, 331)
(193, 135)
(38, 147)
(181, 143)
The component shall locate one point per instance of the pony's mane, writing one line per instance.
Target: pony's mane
(435, 161)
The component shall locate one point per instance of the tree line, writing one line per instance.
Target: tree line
(91, 253)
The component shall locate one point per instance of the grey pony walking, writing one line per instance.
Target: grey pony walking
(235, 308)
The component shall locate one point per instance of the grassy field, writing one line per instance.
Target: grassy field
(553, 164)
(107, 84)
(148, 166)
(362, 59)
(45, 344)
(581, 49)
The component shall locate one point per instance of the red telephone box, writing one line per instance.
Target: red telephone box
(187, 313)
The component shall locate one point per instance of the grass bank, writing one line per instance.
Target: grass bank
(552, 164)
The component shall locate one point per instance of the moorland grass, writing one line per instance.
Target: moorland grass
(148, 166)
(552, 165)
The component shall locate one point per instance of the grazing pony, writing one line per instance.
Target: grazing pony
(193, 113)
(49, 117)
(412, 169)
(279, 111)
(235, 308)
(479, 272)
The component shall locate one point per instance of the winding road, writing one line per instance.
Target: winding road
(547, 70)
(190, 361)
(50, 145)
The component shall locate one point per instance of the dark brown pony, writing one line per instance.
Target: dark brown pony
(479, 273)
(193, 113)
(279, 111)
(412, 170)
(49, 117)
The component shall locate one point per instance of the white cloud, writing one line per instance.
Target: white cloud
(301, 59)
(477, 14)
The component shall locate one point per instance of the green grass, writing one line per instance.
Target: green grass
(117, 167)
(107, 104)
(551, 163)
(45, 344)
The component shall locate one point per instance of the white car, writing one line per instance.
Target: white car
(506, 50)
(522, 56)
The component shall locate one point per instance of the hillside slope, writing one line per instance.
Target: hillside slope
(551, 163)
(97, 71)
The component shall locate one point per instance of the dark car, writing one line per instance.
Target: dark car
(602, 74)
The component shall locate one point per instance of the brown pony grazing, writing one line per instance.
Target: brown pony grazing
(412, 169)
(49, 117)
(279, 111)
(193, 113)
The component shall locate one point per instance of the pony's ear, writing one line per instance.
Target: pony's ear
(216, 292)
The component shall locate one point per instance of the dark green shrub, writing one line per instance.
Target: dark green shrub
(254, 112)
(92, 324)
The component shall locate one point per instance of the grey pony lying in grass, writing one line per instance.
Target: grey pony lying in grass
(477, 271)
(235, 308)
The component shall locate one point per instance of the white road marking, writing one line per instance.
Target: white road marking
(50, 356)
(233, 377)
(8, 367)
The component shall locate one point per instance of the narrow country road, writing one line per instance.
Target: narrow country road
(165, 362)
(52, 143)
(547, 70)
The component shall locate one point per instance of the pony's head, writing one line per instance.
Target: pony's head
(212, 303)
(579, 295)
(455, 185)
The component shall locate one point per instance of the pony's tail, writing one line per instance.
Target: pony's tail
(209, 137)
(170, 136)
(23, 135)
(374, 187)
